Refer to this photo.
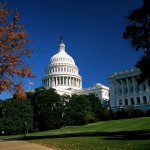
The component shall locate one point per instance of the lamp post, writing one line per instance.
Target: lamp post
(26, 128)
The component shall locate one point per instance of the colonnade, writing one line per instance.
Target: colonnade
(125, 86)
(62, 69)
(62, 80)
(126, 91)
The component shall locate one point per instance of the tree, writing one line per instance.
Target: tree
(79, 107)
(14, 49)
(14, 113)
(47, 109)
(95, 105)
(138, 33)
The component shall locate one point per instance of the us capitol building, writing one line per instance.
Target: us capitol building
(62, 74)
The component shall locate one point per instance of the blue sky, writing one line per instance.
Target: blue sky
(92, 32)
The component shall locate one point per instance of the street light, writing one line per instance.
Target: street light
(26, 128)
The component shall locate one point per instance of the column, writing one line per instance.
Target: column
(129, 101)
(128, 91)
(56, 81)
(133, 84)
(122, 87)
(117, 88)
(80, 83)
(141, 99)
(147, 97)
(52, 81)
(140, 88)
(67, 80)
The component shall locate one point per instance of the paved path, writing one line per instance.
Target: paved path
(21, 145)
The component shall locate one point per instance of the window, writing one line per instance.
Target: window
(138, 100)
(144, 99)
(126, 102)
(132, 101)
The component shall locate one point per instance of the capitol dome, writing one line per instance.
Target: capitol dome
(62, 57)
(62, 72)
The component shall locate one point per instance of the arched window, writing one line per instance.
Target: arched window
(144, 99)
(126, 102)
(132, 101)
(138, 100)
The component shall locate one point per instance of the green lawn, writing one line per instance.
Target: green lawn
(127, 134)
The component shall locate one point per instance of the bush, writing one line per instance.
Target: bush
(89, 118)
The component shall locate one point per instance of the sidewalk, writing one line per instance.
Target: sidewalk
(21, 145)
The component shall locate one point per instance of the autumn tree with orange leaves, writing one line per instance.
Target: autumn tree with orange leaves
(14, 51)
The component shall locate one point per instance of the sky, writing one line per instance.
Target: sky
(92, 33)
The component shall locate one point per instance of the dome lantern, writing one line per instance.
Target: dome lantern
(61, 45)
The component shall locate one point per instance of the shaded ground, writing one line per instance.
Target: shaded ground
(119, 135)
(21, 145)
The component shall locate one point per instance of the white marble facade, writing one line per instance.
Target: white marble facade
(125, 90)
(101, 91)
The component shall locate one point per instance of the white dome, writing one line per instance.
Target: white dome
(63, 58)
(62, 73)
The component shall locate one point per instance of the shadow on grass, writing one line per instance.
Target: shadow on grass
(121, 135)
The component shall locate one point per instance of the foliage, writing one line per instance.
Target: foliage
(138, 33)
(47, 109)
(14, 50)
(14, 113)
(96, 107)
(79, 107)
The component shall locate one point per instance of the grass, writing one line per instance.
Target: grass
(133, 134)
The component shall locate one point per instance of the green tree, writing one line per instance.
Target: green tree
(79, 107)
(138, 33)
(47, 109)
(65, 99)
(14, 114)
(96, 106)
